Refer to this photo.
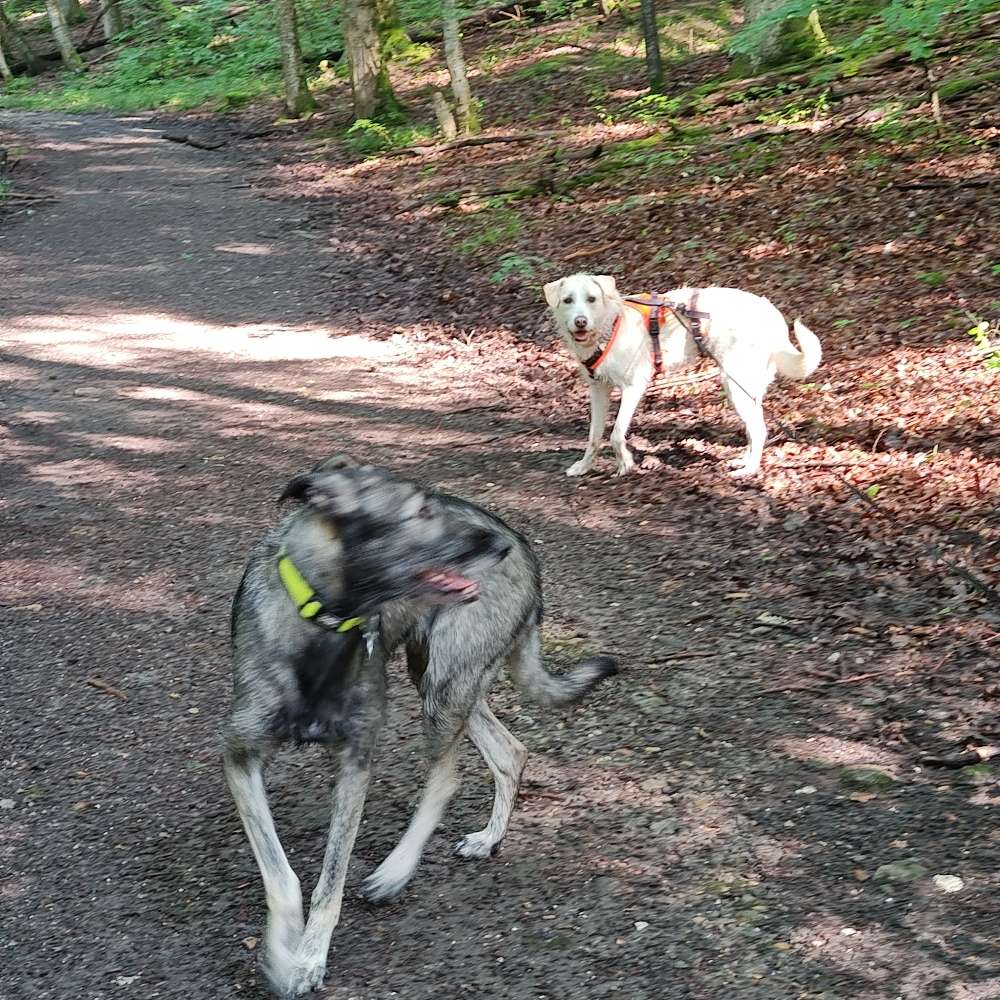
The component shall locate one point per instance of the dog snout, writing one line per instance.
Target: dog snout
(580, 322)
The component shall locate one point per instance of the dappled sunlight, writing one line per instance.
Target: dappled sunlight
(127, 442)
(247, 249)
(80, 471)
(124, 339)
(50, 581)
(836, 752)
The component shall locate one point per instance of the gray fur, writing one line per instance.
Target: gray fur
(382, 548)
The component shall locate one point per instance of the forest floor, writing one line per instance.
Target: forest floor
(183, 328)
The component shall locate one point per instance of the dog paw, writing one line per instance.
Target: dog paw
(580, 468)
(737, 462)
(386, 882)
(297, 979)
(744, 471)
(625, 467)
(477, 845)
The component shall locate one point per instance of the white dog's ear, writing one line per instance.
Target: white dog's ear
(607, 284)
(552, 293)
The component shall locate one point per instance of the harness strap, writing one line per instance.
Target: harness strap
(653, 325)
(694, 319)
(654, 313)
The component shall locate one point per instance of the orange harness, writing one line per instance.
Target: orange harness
(654, 311)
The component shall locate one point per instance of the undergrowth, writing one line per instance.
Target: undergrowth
(205, 53)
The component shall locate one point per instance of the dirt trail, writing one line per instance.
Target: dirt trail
(173, 347)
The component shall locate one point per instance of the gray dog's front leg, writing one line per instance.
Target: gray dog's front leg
(307, 967)
(245, 775)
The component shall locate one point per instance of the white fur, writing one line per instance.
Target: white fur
(746, 333)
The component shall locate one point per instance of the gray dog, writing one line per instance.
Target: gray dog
(370, 561)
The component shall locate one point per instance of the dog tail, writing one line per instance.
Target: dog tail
(800, 363)
(553, 690)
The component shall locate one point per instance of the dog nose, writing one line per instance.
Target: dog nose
(580, 322)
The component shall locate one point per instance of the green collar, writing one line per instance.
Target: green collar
(308, 602)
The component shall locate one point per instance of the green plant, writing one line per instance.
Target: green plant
(494, 225)
(546, 66)
(653, 109)
(868, 27)
(874, 161)
(980, 334)
(933, 279)
(513, 263)
(369, 138)
(797, 111)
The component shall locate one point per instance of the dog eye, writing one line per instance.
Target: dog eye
(426, 511)
(568, 300)
(591, 298)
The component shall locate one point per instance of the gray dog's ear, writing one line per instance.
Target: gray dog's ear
(334, 493)
(334, 462)
(552, 293)
(297, 488)
(607, 284)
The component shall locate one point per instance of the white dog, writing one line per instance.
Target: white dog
(743, 333)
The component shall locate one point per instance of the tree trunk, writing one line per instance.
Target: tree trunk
(769, 45)
(14, 41)
(392, 40)
(71, 11)
(455, 58)
(298, 100)
(6, 73)
(111, 20)
(364, 56)
(651, 37)
(444, 116)
(60, 29)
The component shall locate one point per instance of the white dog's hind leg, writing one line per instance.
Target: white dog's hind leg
(306, 969)
(631, 396)
(245, 776)
(600, 398)
(506, 756)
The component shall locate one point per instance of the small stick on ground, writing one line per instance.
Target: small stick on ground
(935, 184)
(978, 755)
(185, 139)
(856, 679)
(107, 688)
(693, 654)
(25, 196)
(482, 140)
